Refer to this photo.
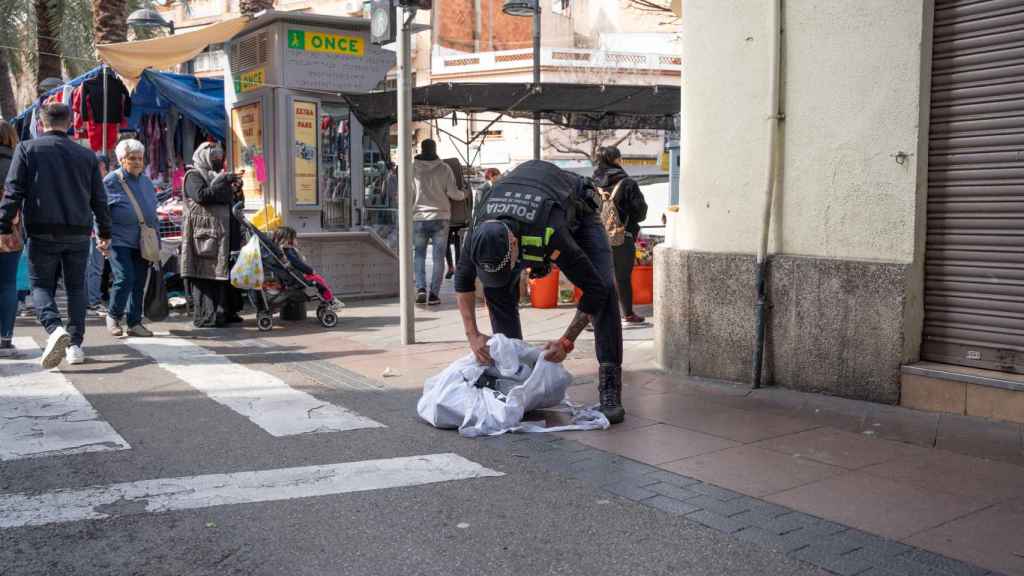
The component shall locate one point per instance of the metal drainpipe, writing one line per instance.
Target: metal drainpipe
(774, 116)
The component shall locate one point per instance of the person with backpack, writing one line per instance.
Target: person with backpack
(623, 208)
(536, 215)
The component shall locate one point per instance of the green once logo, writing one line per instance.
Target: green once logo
(297, 39)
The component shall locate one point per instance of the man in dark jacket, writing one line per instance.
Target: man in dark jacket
(56, 184)
(632, 209)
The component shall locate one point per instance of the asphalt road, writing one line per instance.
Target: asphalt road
(527, 521)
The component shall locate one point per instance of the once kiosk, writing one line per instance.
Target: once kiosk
(304, 154)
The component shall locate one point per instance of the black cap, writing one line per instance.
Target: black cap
(490, 254)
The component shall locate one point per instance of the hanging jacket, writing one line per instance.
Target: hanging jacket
(119, 102)
(630, 201)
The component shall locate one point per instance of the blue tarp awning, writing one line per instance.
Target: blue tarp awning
(201, 100)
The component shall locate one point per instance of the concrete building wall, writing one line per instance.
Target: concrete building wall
(845, 278)
(851, 99)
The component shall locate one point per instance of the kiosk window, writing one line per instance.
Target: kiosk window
(381, 186)
(335, 166)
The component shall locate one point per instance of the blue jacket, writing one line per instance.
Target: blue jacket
(57, 183)
(124, 222)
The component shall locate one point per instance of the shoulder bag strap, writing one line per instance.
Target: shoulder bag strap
(131, 196)
(615, 196)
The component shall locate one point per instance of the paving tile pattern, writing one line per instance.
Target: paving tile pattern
(828, 545)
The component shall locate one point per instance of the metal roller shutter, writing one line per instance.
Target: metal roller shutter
(974, 283)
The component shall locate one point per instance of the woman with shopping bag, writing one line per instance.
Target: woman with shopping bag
(135, 244)
(209, 235)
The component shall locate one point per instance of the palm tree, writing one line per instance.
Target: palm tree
(8, 105)
(110, 21)
(253, 7)
(48, 20)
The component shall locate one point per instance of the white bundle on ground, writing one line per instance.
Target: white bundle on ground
(524, 382)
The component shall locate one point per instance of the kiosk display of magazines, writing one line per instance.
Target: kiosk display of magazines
(303, 155)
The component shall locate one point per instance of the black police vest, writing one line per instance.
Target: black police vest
(527, 205)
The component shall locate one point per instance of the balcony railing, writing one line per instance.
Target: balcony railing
(449, 62)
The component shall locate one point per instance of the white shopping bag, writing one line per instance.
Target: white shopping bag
(247, 273)
(525, 382)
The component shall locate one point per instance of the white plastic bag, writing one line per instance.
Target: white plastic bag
(526, 382)
(247, 273)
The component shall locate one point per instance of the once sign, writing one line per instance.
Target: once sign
(334, 61)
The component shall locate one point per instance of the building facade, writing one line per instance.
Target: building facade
(583, 41)
(896, 244)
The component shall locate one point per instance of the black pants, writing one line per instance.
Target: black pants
(503, 303)
(454, 241)
(624, 257)
(48, 259)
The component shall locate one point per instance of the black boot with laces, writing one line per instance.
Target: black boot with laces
(610, 389)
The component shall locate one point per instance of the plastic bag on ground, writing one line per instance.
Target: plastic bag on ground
(525, 382)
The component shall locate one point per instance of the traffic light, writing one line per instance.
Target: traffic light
(383, 24)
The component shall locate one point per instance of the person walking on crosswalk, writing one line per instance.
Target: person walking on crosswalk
(9, 259)
(55, 184)
(132, 199)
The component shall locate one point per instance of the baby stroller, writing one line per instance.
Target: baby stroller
(282, 284)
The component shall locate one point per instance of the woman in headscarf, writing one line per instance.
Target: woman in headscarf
(210, 234)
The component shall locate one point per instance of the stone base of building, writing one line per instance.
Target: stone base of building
(833, 326)
(936, 387)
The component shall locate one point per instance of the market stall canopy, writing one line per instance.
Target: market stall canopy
(578, 106)
(201, 100)
(129, 59)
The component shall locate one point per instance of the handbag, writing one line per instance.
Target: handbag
(154, 299)
(149, 240)
(14, 242)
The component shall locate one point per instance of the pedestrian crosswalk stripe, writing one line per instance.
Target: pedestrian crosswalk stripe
(192, 492)
(261, 397)
(42, 414)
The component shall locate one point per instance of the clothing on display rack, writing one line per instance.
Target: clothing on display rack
(95, 119)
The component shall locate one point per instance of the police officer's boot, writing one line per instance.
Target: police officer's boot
(610, 388)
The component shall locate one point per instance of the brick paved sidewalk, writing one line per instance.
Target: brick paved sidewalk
(852, 487)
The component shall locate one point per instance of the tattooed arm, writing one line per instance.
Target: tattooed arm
(557, 350)
(579, 322)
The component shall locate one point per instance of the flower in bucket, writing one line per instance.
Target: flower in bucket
(643, 253)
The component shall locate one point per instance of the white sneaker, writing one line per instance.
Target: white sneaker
(75, 355)
(114, 327)
(56, 348)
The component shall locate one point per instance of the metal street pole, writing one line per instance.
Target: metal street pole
(405, 191)
(536, 76)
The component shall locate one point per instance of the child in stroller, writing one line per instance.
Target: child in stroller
(284, 282)
(285, 238)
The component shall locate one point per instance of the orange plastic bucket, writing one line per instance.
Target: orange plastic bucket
(643, 284)
(544, 291)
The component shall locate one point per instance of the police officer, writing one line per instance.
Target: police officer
(533, 216)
